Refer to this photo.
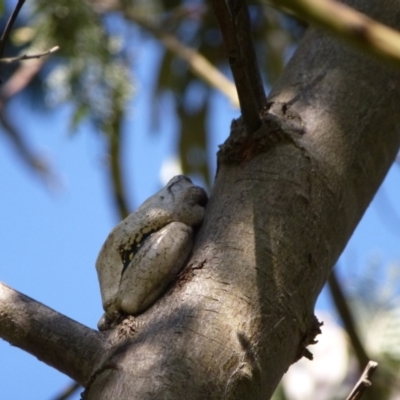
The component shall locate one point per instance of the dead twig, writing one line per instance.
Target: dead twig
(364, 382)
(11, 60)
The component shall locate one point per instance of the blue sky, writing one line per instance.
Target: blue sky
(50, 239)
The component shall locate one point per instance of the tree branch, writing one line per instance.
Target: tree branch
(9, 26)
(247, 98)
(356, 28)
(11, 60)
(119, 191)
(51, 337)
(364, 382)
(347, 319)
(242, 28)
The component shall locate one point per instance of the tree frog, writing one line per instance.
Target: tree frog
(146, 250)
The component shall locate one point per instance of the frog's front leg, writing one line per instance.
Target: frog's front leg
(154, 266)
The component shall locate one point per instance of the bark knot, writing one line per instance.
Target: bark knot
(308, 338)
(280, 125)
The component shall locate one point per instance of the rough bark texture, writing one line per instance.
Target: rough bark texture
(284, 204)
(53, 338)
(285, 201)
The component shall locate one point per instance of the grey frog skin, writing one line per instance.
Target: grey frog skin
(146, 250)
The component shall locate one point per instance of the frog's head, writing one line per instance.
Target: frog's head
(185, 200)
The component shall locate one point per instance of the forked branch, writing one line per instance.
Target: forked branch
(364, 382)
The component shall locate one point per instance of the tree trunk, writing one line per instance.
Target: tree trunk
(285, 202)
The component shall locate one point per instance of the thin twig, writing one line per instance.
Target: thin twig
(347, 319)
(364, 382)
(28, 57)
(356, 28)
(248, 103)
(9, 26)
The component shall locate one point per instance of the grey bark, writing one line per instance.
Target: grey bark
(285, 202)
(57, 340)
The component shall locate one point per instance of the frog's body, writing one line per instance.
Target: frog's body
(144, 252)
